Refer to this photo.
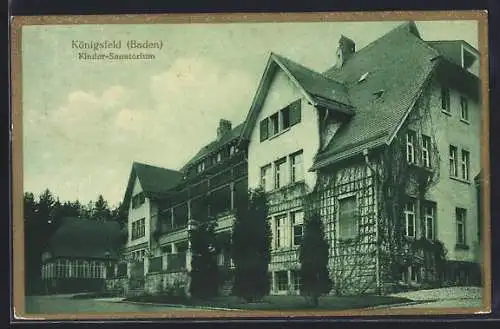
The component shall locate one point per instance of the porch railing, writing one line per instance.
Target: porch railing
(176, 262)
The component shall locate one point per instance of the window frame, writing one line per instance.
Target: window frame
(429, 217)
(406, 214)
(426, 151)
(274, 124)
(453, 161)
(279, 173)
(355, 226)
(445, 100)
(294, 165)
(461, 221)
(280, 230)
(283, 283)
(464, 109)
(411, 141)
(264, 129)
(282, 117)
(294, 224)
(266, 177)
(465, 164)
(138, 229)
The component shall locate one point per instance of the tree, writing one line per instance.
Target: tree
(313, 256)
(119, 214)
(101, 209)
(204, 269)
(251, 244)
(40, 223)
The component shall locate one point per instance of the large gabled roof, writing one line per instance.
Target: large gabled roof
(84, 238)
(395, 68)
(314, 83)
(155, 181)
(316, 88)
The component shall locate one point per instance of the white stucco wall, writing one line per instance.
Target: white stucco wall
(135, 214)
(303, 136)
(450, 193)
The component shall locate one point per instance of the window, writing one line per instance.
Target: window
(273, 124)
(445, 99)
(426, 151)
(201, 166)
(453, 161)
(464, 106)
(219, 157)
(465, 164)
(231, 150)
(295, 278)
(138, 200)
(298, 227)
(138, 229)
(281, 120)
(429, 211)
(348, 217)
(167, 249)
(264, 129)
(296, 168)
(410, 274)
(281, 278)
(285, 118)
(281, 229)
(279, 173)
(410, 146)
(265, 178)
(295, 112)
(461, 215)
(409, 218)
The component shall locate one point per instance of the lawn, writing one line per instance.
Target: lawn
(277, 302)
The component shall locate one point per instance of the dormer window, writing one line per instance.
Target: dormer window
(363, 77)
(468, 58)
(201, 166)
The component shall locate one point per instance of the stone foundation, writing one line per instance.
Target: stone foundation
(161, 282)
(118, 285)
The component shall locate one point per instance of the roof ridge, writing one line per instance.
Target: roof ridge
(307, 68)
(377, 40)
(207, 145)
(153, 166)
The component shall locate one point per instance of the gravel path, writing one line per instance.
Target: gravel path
(451, 293)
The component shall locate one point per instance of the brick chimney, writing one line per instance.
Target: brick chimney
(224, 128)
(345, 49)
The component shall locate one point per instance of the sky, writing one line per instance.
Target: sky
(85, 122)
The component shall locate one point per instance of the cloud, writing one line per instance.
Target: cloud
(85, 146)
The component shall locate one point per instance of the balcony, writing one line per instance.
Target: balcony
(288, 196)
(176, 262)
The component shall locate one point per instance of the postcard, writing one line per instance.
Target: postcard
(250, 165)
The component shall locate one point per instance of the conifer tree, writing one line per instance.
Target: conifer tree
(251, 243)
(313, 255)
(204, 270)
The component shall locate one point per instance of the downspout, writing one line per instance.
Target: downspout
(377, 250)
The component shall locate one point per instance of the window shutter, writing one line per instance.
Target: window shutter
(264, 131)
(295, 115)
